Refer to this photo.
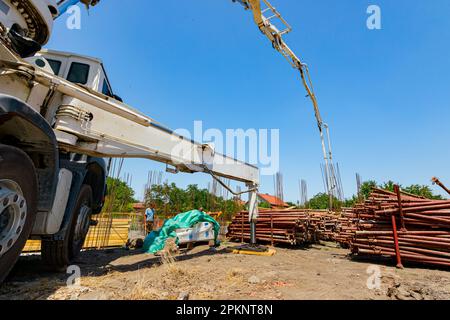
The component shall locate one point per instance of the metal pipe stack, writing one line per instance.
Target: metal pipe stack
(400, 225)
(323, 225)
(291, 227)
(346, 228)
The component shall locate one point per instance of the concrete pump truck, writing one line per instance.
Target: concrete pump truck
(59, 119)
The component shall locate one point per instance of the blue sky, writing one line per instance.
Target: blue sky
(385, 93)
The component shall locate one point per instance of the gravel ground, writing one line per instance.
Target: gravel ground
(318, 272)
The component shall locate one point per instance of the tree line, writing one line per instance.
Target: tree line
(321, 200)
(119, 196)
(169, 200)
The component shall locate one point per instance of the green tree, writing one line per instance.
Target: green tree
(415, 189)
(119, 197)
(349, 203)
(389, 186)
(264, 205)
(321, 202)
(422, 191)
(170, 200)
(367, 187)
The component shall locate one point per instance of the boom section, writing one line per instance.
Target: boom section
(90, 122)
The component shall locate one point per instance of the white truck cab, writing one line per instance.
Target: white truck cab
(83, 70)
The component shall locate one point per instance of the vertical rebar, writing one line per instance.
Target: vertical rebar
(271, 229)
(400, 206)
(397, 246)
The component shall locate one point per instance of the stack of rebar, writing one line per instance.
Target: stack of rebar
(272, 226)
(326, 225)
(292, 227)
(346, 228)
(401, 225)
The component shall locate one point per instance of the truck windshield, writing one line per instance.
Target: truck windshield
(55, 65)
(105, 90)
(78, 73)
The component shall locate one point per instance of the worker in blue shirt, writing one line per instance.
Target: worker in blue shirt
(149, 218)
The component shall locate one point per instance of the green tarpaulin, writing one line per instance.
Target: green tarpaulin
(156, 240)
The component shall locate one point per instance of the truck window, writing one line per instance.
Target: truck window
(4, 7)
(78, 73)
(55, 65)
(105, 90)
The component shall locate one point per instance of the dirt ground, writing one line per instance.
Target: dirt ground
(318, 272)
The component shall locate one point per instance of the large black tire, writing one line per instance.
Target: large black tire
(57, 255)
(16, 166)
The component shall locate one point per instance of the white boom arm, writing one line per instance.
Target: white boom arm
(91, 123)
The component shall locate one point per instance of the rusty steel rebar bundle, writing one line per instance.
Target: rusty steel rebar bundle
(292, 227)
(399, 225)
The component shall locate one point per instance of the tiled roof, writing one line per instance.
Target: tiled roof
(138, 206)
(273, 201)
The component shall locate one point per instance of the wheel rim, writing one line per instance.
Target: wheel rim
(13, 214)
(83, 222)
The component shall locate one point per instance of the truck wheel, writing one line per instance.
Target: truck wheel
(59, 254)
(18, 205)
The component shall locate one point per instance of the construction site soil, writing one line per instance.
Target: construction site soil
(318, 272)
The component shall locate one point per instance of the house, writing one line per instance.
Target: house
(272, 201)
(139, 207)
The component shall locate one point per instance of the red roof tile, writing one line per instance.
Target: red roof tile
(138, 206)
(273, 201)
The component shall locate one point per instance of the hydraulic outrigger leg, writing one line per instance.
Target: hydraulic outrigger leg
(252, 248)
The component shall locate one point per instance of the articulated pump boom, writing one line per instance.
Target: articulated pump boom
(59, 118)
(264, 18)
